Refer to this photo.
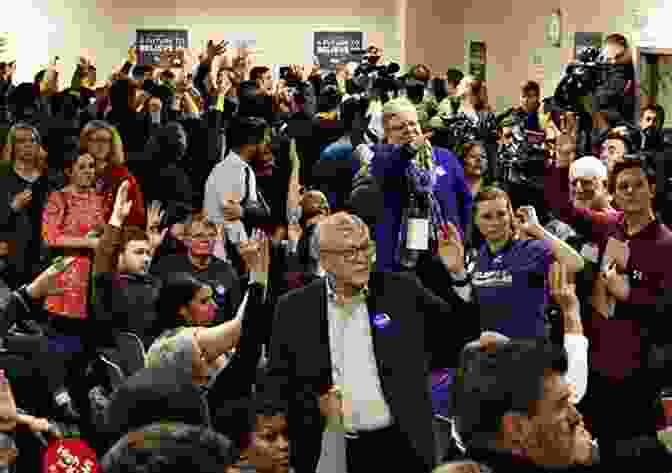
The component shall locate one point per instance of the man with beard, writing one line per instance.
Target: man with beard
(232, 197)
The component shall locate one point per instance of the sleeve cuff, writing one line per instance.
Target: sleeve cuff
(259, 278)
(575, 342)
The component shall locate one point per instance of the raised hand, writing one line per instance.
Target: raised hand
(528, 223)
(46, 284)
(451, 248)
(562, 291)
(122, 206)
(213, 50)
(154, 218)
(255, 252)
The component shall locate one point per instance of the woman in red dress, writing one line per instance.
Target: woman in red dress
(68, 222)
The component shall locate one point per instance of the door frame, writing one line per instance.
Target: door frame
(637, 61)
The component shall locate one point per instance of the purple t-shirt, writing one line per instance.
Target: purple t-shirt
(511, 288)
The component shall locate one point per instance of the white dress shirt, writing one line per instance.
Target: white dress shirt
(354, 366)
(354, 369)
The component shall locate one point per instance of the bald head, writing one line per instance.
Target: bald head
(341, 232)
(345, 249)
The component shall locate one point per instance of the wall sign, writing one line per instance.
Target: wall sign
(334, 47)
(152, 43)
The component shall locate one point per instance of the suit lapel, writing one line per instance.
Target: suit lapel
(323, 349)
(382, 325)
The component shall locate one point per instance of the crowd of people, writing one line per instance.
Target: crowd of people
(206, 268)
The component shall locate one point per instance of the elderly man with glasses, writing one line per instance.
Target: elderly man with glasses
(351, 351)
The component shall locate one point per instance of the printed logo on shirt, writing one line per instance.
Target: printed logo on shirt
(440, 171)
(500, 278)
(590, 252)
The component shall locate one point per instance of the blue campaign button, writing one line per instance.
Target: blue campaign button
(381, 320)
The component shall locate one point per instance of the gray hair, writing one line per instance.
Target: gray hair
(314, 241)
(173, 348)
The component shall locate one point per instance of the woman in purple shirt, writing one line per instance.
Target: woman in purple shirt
(508, 279)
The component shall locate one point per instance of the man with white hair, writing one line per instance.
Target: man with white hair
(588, 181)
(350, 352)
(423, 188)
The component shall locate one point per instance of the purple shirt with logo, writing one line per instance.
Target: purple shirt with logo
(511, 288)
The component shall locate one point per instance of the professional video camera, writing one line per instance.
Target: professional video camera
(580, 80)
(376, 80)
(522, 161)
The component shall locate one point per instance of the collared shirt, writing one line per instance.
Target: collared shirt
(229, 178)
(354, 368)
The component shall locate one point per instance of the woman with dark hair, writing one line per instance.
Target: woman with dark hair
(471, 120)
(189, 342)
(509, 275)
(68, 222)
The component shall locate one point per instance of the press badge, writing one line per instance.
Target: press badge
(417, 237)
(590, 252)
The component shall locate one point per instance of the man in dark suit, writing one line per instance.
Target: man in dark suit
(352, 351)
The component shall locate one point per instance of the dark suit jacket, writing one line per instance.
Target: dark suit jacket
(423, 332)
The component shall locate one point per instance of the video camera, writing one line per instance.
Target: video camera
(376, 80)
(521, 163)
(580, 80)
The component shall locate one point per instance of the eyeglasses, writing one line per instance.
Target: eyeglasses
(203, 236)
(410, 125)
(585, 183)
(351, 254)
(24, 141)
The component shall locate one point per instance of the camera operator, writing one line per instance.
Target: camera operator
(529, 108)
(613, 100)
(374, 79)
(651, 120)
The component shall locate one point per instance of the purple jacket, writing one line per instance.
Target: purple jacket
(451, 190)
